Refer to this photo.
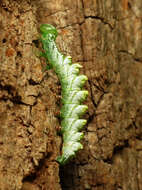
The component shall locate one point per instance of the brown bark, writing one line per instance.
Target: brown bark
(106, 38)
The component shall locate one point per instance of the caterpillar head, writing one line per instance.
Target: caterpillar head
(48, 31)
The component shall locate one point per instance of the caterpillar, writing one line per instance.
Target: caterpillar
(71, 92)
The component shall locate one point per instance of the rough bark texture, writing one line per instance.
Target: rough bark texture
(106, 38)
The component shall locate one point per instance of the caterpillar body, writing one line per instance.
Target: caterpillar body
(71, 92)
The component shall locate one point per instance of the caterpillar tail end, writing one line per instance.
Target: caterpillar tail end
(62, 160)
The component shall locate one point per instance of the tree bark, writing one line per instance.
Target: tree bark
(106, 38)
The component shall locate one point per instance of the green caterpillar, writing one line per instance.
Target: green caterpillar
(72, 94)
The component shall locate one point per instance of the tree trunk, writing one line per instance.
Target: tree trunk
(106, 38)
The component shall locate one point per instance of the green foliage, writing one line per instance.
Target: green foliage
(72, 93)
